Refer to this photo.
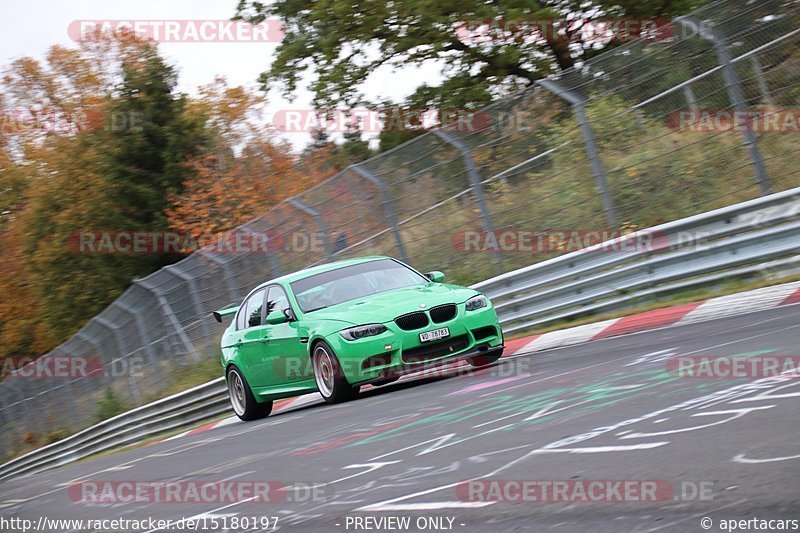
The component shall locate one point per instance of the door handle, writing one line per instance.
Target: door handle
(264, 339)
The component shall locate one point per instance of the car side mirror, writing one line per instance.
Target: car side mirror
(436, 276)
(277, 317)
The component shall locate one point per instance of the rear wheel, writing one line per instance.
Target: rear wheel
(485, 360)
(242, 399)
(331, 381)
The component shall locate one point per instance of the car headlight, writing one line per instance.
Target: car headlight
(476, 302)
(359, 332)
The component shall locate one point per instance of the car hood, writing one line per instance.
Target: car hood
(385, 306)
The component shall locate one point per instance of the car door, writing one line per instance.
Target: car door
(252, 344)
(288, 356)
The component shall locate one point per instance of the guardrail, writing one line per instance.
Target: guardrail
(731, 241)
(164, 415)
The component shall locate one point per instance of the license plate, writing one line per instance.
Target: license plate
(433, 335)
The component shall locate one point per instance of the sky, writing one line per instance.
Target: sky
(31, 27)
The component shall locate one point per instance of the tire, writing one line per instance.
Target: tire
(331, 381)
(243, 402)
(479, 361)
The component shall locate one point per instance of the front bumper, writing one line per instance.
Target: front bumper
(403, 369)
(397, 352)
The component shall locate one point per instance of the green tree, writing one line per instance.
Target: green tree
(147, 140)
(344, 42)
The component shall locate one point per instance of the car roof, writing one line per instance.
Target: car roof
(318, 269)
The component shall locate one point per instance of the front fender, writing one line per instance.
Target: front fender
(351, 355)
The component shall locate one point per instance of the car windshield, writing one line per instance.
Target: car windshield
(352, 282)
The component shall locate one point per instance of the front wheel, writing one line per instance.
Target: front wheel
(331, 381)
(242, 400)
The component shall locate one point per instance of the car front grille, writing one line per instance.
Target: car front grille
(443, 313)
(412, 321)
(434, 350)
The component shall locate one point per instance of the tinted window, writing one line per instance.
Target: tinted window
(250, 312)
(351, 282)
(277, 300)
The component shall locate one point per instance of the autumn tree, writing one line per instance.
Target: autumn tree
(245, 170)
(120, 149)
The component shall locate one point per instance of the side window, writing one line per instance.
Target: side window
(250, 313)
(277, 299)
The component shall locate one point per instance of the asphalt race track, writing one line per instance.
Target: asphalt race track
(720, 448)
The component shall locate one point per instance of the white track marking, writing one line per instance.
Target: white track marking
(653, 357)
(744, 460)
(731, 305)
(606, 449)
(576, 335)
(767, 396)
(430, 506)
(737, 413)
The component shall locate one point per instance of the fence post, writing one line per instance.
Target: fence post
(735, 94)
(30, 420)
(193, 294)
(388, 207)
(140, 327)
(321, 226)
(477, 186)
(97, 352)
(68, 395)
(114, 329)
(232, 296)
(578, 103)
(691, 100)
(169, 315)
(91, 341)
(272, 257)
(80, 420)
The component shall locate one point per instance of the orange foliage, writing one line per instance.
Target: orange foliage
(228, 192)
(23, 331)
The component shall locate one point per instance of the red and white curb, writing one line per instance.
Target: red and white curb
(723, 306)
(720, 307)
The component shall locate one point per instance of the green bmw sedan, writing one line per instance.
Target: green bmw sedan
(335, 327)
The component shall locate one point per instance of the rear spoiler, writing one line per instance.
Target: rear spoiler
(218, 315)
